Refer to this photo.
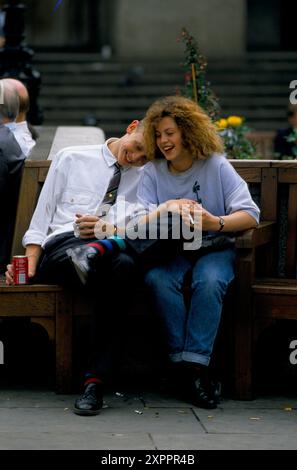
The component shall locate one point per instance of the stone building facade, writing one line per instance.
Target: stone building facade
(149, 29)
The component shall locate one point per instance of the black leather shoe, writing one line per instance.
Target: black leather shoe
(201, 395)
(82, 258)
(90, 403)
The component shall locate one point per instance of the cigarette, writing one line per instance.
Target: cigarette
(191, 219)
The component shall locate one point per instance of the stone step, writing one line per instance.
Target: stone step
(107, 115)
(116, 129)
(129, 102)
(75, 86)
(156, 90)
(81, 57)
(107, 91)
(220, 67)
(148, 74)
(84, 80)
(108, 79)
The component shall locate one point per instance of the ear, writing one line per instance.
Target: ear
(132, 126)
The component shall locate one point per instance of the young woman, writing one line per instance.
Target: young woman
(190, 174)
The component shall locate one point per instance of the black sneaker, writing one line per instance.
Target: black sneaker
(91, 402)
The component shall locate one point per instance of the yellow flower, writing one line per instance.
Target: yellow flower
(234, 121)
(222, 123)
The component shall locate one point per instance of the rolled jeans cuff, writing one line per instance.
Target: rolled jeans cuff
(190, 357)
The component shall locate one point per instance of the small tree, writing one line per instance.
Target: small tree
(233, 129)
(197, 88)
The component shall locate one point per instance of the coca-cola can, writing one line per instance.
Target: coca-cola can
(20, 270)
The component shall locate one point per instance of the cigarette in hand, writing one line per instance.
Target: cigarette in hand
(191, 219)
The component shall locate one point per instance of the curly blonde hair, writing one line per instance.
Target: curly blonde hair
(200, 136)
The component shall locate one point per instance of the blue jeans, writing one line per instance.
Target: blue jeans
(191, 332)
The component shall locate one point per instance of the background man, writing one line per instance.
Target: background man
(11, 164)
(20, 127)
(285, 143)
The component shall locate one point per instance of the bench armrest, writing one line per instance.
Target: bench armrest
(258, 236)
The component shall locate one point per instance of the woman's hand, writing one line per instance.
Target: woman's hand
(178, 206)
(192, 216)
(209, 221)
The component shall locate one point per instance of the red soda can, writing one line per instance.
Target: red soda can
(20, 270)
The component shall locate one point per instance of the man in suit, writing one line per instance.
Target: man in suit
(11, 164)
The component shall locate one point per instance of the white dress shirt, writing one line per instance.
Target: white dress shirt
(23, 136)
(76, 183)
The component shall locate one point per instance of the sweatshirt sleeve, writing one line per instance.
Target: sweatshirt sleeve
(236, 193)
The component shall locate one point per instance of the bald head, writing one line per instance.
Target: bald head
(23, 97)
(9, 102)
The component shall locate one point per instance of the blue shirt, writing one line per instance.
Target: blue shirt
(213, 182)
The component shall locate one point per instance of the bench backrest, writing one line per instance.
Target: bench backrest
(278, 202)
(275, 184)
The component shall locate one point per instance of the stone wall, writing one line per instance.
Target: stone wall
(149, 30)
(138, 29)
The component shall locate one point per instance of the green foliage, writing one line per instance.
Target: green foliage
(233, 131)
(292, 138)
(197, 87)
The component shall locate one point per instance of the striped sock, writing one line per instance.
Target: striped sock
(108, 246)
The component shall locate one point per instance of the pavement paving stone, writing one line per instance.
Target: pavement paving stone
(33, 419)
(230, 441)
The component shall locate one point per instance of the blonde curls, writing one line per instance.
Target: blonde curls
(199, 134)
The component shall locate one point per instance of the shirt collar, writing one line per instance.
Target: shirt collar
(108, 156)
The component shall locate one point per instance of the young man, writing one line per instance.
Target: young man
(78, 182)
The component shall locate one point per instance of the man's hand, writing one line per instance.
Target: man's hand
(104, 229)
(32, 266)
(85, 225)
(9, 275)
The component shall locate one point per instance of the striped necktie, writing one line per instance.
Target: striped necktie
(111, 193)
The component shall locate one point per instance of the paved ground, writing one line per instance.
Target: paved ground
(44, 420)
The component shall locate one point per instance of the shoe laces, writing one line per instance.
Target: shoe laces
(91, 390)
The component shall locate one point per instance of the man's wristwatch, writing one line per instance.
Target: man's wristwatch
(221, 223)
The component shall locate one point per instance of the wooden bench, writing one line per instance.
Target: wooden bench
(266, 278)
(55, 309)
